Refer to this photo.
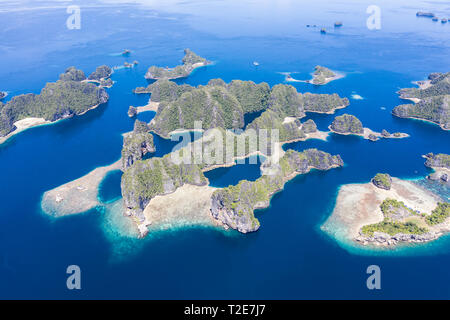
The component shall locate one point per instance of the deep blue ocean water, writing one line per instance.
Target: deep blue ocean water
(289, 257)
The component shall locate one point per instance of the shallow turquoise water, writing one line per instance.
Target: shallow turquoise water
(289, 257)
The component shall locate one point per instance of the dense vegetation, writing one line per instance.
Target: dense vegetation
(394, 211)
(146, 179)
(347, 123)
(65, 98)
(439, 215)
(382, 180)
(136, 144)
(439, 85)
(435, 109)
(102, 72)
(321, 74)
(189, 61)
(393, 228)
(269, 120)
(223, 105)
(440, 160)
(164, 90)
(324, 103)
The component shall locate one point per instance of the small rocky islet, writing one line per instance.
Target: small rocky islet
(348, 124)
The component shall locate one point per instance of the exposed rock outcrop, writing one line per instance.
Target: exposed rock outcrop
(72, 74)
(156, 176)
(136, 144)
(235, 205)
(347, 124)
(382, 181)
(132, 111)
(101, 73)
(224, 105)
(440, 160)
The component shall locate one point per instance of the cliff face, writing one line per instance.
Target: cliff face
(234, 206)
(224, 105)
(439, 85)
(324, 103)
(190, 61)
(347, 124)
(309, 126)
(72, 74)
(136, 144)
(286, 101)
(213, 106)
(433, 101)
(438, 160)
(269, 120)
(382, 180)
(101, 72)
(156, 176)
(164, 90)
(435, 109)
(58, 100)
(321, 74)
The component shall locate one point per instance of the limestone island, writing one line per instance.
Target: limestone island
(81, 195)
(386, 212)
(440, 163)
(323, 76)
(160, 193)
(101, 76)
(3, 95)
(348, 124)
(191, 61)
(431, 101)
(72, 95)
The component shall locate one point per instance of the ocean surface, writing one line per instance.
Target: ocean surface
(290, 257)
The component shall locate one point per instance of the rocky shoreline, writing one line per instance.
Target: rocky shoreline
(358, 205)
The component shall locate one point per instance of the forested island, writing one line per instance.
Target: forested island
(431, 101)
(387, 212)
(348, 124)
(160, 192)
(323, 75)
(191, 61)
(71, 95)
(181, 105)
(440, 163)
